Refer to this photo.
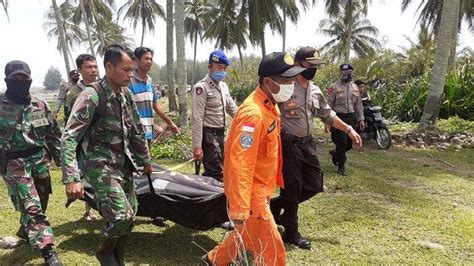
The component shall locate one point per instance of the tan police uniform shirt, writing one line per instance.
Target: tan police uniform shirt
(297, 113)
(346, 99)
(210, 103)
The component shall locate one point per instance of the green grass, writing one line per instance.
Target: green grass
(391, 200)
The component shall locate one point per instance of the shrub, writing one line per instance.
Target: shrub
(176, 147)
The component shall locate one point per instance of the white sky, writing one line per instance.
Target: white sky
(25, 39)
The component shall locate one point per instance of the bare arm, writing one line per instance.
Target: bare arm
(162, 115)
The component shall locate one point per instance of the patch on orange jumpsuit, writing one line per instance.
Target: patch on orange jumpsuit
(246, 139)
(272, 127)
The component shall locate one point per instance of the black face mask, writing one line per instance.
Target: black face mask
(75, 80)
(346, 77)
(18, 91)
(309, 73)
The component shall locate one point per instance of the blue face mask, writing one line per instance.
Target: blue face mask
(218, 75)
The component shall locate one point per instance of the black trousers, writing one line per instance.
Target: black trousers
(341, 139)
(303, 178)
(213, 152)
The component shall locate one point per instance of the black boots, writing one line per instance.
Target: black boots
(332, 152)
(275, 208)
(341, 170)
(50, 256)
(111, 250)
(119, 251)
(22, 234)
(297, 240)
(54, 261)
(105, 251)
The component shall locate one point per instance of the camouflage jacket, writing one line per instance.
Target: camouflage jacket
(107, 144)
(63, 89)
(24, 127)
(71, 97)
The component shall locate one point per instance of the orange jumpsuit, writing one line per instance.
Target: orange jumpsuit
(252, 169)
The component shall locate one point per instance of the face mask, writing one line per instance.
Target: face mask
(18, 91)
(218, 75)
(346, 75)
(286, 90)
(75, 80)
(309, 73)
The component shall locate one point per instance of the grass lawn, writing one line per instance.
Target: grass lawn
(390, 205)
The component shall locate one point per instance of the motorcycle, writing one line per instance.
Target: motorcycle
(376, 128)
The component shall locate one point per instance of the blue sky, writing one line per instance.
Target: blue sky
(24, 37)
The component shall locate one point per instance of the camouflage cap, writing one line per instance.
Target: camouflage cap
(17, 67)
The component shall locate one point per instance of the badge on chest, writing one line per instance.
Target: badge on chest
(38, 118)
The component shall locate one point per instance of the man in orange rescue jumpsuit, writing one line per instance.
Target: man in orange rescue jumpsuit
(252, 167)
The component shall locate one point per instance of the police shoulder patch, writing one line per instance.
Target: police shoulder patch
(198, 90)
(246, 141)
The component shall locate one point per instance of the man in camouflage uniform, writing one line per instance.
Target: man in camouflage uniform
(63, 89)
(28, 133)
(87, 67)
(211, 102)
(106, 144)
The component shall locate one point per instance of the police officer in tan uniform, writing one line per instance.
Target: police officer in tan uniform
(345, 100)
(211, 101)
(301, 169)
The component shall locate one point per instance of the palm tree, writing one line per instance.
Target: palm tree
(4, 4)
(197, 17)
(363, 36)
(419, 56)
(430, 15)
(291, 11)
(262, 13)
(229, 27)
(335, 7)
(447, 22)
(169, 56)
(181, 62)
(430, 12)
(73, 34)
(62, 34)
(110, 33)
(90, 12)
(144, 11)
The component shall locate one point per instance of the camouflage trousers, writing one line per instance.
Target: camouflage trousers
(117, 203)
(30, 197)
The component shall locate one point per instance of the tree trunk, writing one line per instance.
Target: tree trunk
(264, 52)
(181, 62)
(62, 36)
(194, 57)
(454, 39)
(143, 31)
(440, 67)
(349, 13)
(240, 57)
(169, 56)
(284, 30)
(88, 27)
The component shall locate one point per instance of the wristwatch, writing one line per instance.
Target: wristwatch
(348, 129)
